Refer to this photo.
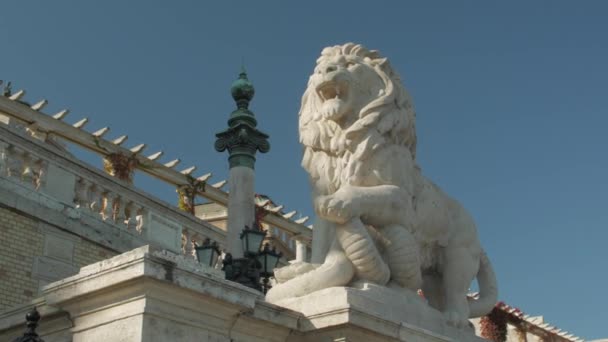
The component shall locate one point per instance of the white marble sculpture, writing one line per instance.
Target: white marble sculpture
(380, 220)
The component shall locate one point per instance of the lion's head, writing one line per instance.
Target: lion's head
(355, 102)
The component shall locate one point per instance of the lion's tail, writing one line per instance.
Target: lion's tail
(488, 289)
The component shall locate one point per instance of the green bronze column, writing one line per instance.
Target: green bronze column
(242, 140)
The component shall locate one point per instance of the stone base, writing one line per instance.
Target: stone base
(383, 313)
(149, 295)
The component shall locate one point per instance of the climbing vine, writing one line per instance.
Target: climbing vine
(120, 166)
(494, 325)
(187, 193)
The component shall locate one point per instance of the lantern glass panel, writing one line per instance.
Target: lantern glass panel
(206, 255)
(252, 241)
(273, 261)
(268, 260)
(263, 260)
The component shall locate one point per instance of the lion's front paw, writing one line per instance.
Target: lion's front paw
(335, 209)
(456, 319)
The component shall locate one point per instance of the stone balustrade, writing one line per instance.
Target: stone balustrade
(18, 164)
(109, 206)
(78, 189)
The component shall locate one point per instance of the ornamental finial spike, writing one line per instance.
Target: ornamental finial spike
(242, 90)
(242, 139)
(30, 334)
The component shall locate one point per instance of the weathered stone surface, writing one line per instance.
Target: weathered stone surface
(164, 232)
(51, 269)
(58, 245)
(60, 184)
(383, 312)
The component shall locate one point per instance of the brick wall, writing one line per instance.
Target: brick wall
(33, 254)
(19, 242)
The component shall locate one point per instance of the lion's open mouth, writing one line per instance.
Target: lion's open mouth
(332, 90)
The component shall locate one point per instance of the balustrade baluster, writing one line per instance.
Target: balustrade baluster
(3, 157)
(187, 245)
(130, 213)
(108, 205)
(39, 168)
(27, 174)
(95, 199)
(291, 244)
(301, 250)
(184, 240)
(222, 256)
(119, 214)
(141, 219)
(14, 162)
(196, 240)
(81, 193)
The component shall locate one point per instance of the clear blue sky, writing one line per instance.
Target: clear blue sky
(510, 96)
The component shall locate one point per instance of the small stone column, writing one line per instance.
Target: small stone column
(301, 250)
(242, 140)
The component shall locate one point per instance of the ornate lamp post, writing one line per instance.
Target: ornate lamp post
(242, 140)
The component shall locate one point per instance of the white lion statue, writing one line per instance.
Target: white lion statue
(379, 219)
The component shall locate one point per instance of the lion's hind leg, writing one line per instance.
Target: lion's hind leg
(403, 257)
(359, 248)
(432, 289)
(459, 269)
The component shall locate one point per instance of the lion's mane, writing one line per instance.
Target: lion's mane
(387, 119)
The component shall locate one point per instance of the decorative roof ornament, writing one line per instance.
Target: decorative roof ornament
(242, 139)
(7, 91)
(242, 90)
(30, 334)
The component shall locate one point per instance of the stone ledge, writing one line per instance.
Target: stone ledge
(144, 261)
(146, 291)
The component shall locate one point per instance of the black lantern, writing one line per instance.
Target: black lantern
(252, 240)
(269, 259)
(256, 266)
(207, 253)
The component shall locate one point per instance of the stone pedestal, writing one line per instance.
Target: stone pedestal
(150, 295)
(369, 312)
(147, 295)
